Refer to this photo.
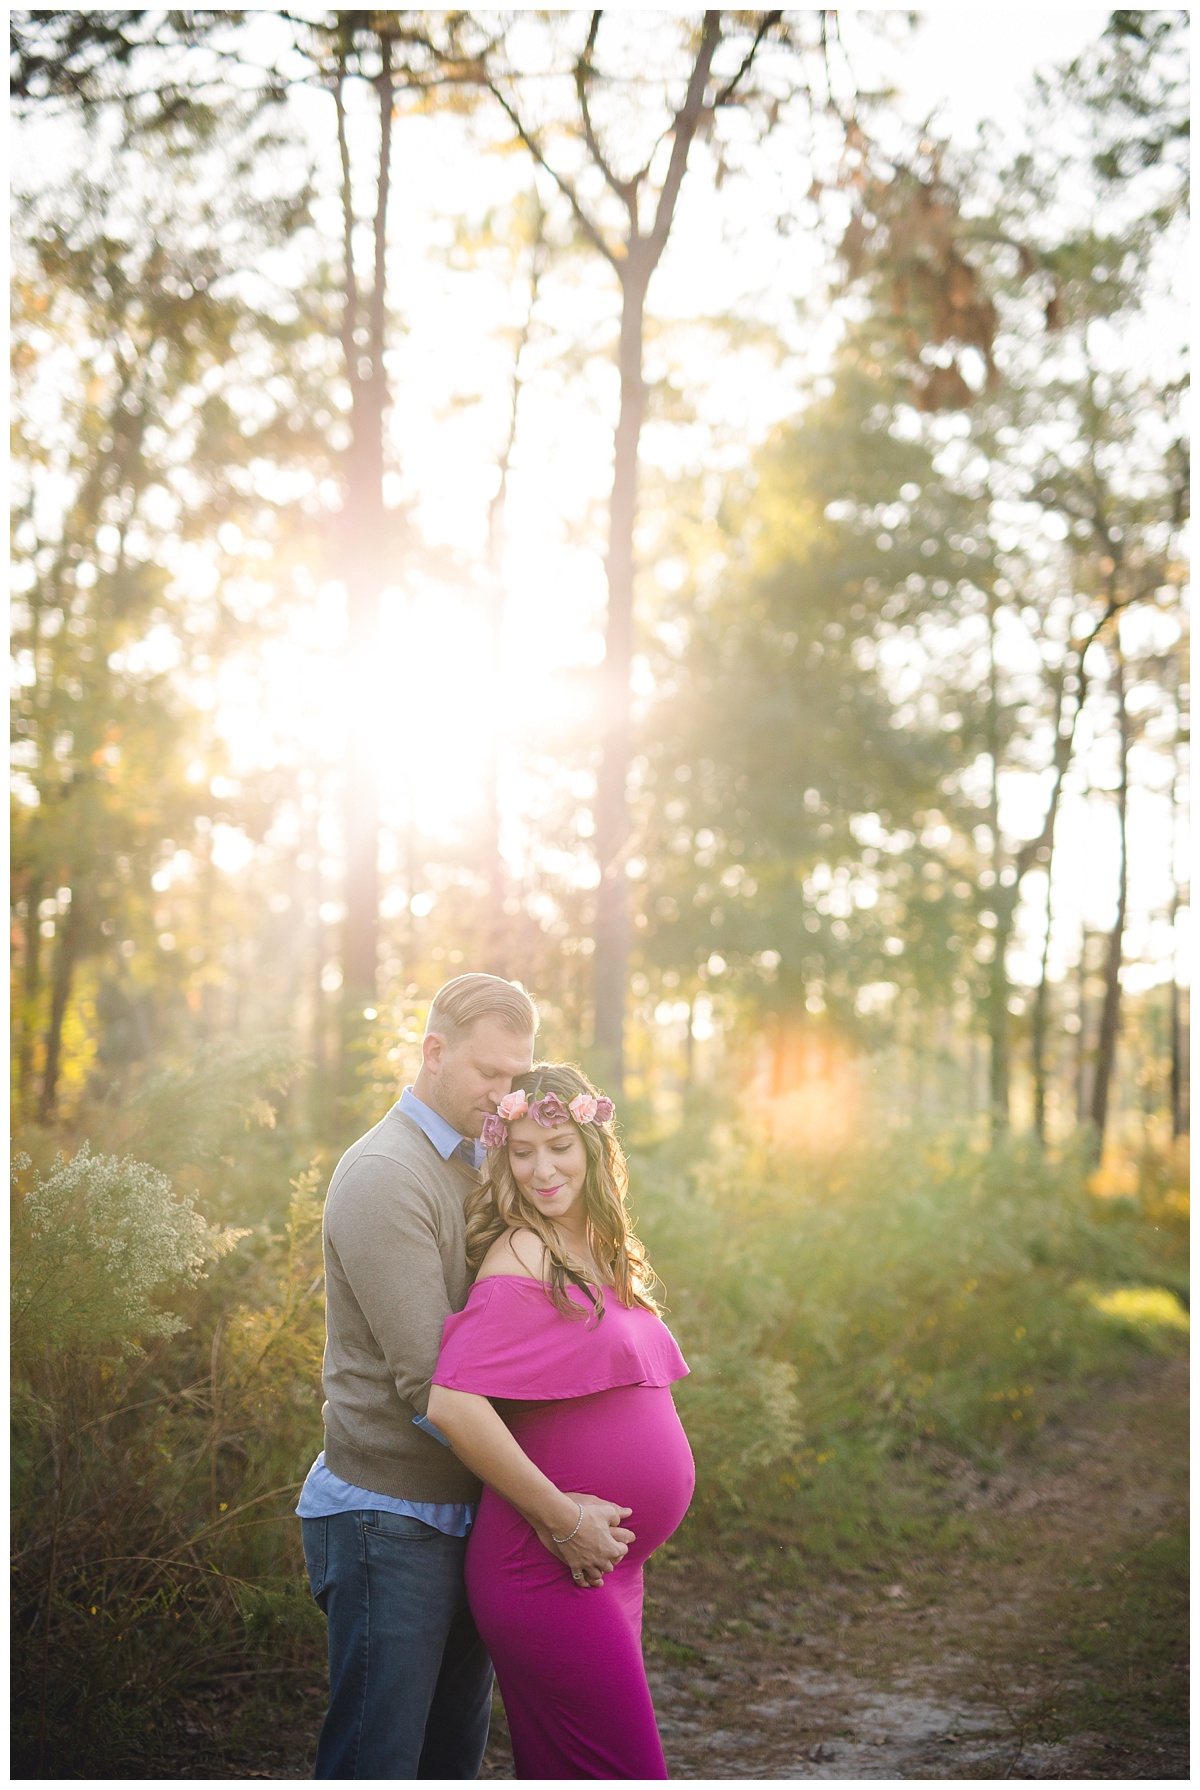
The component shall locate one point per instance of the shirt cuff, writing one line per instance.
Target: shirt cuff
(431, 1429)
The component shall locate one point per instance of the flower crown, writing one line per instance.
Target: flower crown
(585, 1109)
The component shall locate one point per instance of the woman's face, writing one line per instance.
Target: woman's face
(549, 1166)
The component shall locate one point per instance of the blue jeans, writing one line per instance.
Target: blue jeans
(410, 1682)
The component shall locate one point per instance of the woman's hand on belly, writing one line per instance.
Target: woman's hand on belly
(589, 1552)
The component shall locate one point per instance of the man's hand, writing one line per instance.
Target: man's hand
(599, 1543)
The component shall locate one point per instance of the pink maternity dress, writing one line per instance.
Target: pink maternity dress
(590, 1403)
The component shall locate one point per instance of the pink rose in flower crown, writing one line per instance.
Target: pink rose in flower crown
(604, 1109)
(494, 1132)
(513, 1106)
(549, 1111)
(583, 1108)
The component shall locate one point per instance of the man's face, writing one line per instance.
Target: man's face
(470, 1078)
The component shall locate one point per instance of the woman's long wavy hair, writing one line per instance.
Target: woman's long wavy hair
(499, 1205)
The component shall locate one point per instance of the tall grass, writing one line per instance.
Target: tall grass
(853, 1322)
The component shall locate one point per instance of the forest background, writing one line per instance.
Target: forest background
(617, 501)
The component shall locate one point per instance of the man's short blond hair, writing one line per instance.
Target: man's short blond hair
(456, 1007)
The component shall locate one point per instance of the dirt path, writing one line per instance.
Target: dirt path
(1050, 1644)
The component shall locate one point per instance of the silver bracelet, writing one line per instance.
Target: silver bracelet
(575, 1531)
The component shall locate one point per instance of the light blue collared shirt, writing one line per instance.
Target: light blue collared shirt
(440, 1132)
(324, 1494)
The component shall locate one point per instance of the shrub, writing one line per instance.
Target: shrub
(96, 1242)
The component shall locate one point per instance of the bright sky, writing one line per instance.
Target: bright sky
(973, 62)
(450, 373)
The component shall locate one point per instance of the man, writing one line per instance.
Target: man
(387, 1507)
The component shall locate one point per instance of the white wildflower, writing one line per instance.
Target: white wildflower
(98, 1240)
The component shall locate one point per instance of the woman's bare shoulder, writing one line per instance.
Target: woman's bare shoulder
(516, 1253)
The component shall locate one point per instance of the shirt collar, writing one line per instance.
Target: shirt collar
(441, 1134)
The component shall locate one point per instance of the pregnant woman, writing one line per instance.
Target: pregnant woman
(560, 1333)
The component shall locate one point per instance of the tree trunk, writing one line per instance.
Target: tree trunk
(1081, 1048)
(208, 1012)
(1037, 1024)
(633, 260)
(613, 930)
(1041, 850)
(496, 958)
(1179, 1039)
(364, 547)
(316, 954)
(1110, 1014)
(31, 982)
(495, 929)
(69, 934)
(999, 1056)
(1004, 903)
(1180, 1104)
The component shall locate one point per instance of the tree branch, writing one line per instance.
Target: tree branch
(496, 509)
(564, 186)
(766, 23)
(625, 190)
(350, 284)
(1064, 743)
(378, 318)
(847, 119)
(686, 121)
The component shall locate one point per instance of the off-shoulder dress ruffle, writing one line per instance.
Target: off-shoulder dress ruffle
(511, 1341)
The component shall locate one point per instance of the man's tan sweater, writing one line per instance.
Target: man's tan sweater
(395, 1267)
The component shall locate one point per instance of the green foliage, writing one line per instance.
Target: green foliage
(198, 1113)
(780, 750)
(1135, 84)
(271, 1351)
(96, 1242)
(912, 599)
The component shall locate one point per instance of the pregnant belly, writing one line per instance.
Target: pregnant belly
(626, 1444)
